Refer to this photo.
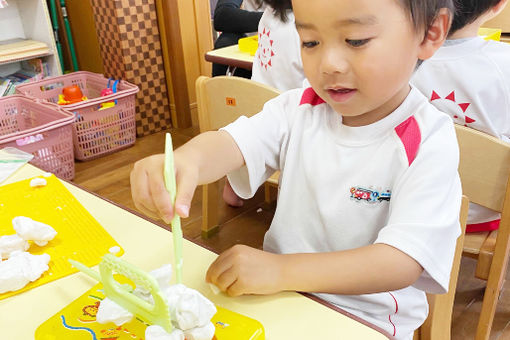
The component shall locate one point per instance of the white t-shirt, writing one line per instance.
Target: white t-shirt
(393, 182)
(251, 5)
(277, 62)
(470, 81)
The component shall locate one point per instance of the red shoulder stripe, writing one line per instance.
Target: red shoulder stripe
(310, 97)
(410, 135)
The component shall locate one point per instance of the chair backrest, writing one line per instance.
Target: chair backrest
(484, 171)
(484, 168)
(221, 100)
(437, 326)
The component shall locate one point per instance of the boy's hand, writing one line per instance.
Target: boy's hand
(245, 270)
(148, 187)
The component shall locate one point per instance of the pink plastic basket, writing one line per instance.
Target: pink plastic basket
(42, 129)
(96, 132)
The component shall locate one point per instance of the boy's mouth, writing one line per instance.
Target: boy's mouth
(340, 94)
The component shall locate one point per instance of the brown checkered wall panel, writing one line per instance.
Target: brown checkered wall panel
(131, 49)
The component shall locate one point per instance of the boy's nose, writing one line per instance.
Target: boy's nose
(333, 62)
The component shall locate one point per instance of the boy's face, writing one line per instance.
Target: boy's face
(358, 54)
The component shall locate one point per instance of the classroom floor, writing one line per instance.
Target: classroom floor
(109, 177)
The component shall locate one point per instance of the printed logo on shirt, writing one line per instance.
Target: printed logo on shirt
(369, 195)
(459, 117)
(265, 48)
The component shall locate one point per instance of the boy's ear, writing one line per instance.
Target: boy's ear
(436, 34)
(499, 7)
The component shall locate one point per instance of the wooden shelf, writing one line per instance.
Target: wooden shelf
(21, 49)
(26, 33)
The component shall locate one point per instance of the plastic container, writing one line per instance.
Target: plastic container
(97, 131)
(490, 33)
(42, 129)
(249, 44)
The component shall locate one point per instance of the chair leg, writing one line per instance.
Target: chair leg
(210, 216)
(490, 301)
(267, 193)
(492, 291)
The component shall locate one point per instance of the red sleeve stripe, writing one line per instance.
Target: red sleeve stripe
(310, 97)
(409, 133)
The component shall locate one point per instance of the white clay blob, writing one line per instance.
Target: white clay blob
(193, 310)
(214, 289)
(172, 295)
(109, 311)
(31, 230)
(20, 269)
(38, 182)
(10, 244)
(200, 333)
(162, 275)
(156, 332)
(114, 250)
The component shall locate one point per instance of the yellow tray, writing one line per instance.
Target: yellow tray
(249, 44)
(490, 33)
(77, 321)
(79, 236)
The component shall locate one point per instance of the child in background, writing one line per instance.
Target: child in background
(277, 62)
(369, 197)
(469, 78)
(235, 19)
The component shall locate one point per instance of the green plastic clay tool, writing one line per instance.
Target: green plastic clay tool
(169, 174)
(155, 314)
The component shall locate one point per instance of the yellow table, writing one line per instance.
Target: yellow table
(284, 316)
(230, 56)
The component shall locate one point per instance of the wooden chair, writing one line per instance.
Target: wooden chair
(437, 326)
(220, 101)
(484, 170)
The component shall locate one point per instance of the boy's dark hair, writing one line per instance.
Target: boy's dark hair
(423, 12)
(467, 11)
(279, 7)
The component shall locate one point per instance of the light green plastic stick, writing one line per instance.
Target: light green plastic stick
(169, 174)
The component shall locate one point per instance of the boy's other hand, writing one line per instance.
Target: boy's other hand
(245, 270)
(148, 188)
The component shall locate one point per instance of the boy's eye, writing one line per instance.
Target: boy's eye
(356, 42)
(309, 44)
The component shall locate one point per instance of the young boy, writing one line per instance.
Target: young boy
(369, 197)
(469, 79)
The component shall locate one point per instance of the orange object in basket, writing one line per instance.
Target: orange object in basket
(96, 132)
(72, 94)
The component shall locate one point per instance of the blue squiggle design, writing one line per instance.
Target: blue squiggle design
(78, 328)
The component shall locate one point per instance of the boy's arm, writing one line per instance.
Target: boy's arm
(204, 159)
(370, 269)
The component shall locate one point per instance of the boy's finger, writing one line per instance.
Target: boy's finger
(218, 267)
(140, 192)
(226, 279)
(235, 289)
(147, 212)
(186, 185)
(160, 197)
